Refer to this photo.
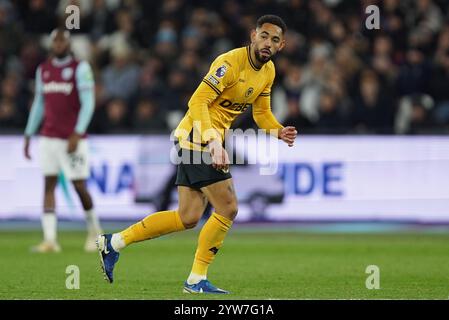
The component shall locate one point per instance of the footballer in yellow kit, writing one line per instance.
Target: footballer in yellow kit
(236, 80)
(232, 85)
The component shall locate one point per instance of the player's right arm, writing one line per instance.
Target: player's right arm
(36, 113)
(220, 76)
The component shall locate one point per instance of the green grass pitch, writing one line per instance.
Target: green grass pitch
(252, 265)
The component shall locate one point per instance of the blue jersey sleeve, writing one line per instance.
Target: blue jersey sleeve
(86, 86)
(37, 108)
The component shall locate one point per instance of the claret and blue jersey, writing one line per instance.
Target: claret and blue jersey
(64, 98)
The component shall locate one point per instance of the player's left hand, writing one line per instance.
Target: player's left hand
(73, 142)
(26, 148)
(288, 135)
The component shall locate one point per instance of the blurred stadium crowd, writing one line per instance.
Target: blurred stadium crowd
(334, 76)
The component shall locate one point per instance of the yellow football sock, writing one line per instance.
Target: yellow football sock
(153, 226)
(209, 242)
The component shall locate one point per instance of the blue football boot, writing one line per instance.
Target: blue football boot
(204, 286)
(108, 256)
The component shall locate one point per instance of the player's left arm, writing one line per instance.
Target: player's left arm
(265, 119)
(86, 92)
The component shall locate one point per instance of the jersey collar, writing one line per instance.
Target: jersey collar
(61, 62)
(250, 60)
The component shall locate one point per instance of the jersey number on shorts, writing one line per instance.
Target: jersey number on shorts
(76, 160)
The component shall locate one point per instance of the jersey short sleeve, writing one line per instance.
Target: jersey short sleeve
(221, 74)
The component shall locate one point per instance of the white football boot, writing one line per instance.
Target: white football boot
(46, 247)
(91, 242)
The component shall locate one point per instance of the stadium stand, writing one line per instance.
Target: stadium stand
(334, 76)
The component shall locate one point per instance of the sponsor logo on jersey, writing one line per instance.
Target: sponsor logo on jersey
(237, 106)
(58, 87)
(249, 92)
(221, 71)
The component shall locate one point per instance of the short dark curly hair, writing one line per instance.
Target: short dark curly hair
(273, 19)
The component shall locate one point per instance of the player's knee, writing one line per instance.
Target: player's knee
(79, 187)
(49, 188)
(82, 191)
(189, 219)
(231, 210)
(189, 222)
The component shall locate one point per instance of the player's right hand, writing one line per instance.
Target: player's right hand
(220, 159)
(26, 148)
(288, 135)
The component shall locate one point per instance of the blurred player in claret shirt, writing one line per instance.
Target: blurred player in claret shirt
(64, 104)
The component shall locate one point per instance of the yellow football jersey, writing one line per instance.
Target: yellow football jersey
(231, 86)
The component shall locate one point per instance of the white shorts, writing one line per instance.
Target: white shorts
(54, 158)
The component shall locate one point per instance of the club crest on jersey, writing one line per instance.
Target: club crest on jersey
(67, 73)
(221, 71)
(249, 92)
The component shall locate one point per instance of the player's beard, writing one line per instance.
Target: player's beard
(260, 58)
(62, 55)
